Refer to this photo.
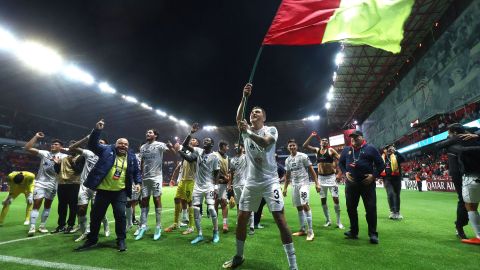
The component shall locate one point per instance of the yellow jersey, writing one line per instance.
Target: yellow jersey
(188, 170)
(223, 160)
(27, 184)
(115, 179)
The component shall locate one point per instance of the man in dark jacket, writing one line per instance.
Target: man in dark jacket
(392, 179)
(361, 164)
(463, 149)
(112, 177)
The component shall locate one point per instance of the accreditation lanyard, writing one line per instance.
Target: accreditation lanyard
(354, 163)
(118, 171)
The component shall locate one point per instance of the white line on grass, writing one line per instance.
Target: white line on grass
(48, 234)
(46, 264)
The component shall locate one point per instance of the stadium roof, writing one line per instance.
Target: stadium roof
(367, 74)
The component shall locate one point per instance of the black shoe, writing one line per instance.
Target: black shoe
(461, 233)
(350, 235)
(121, 246)
(68, 229)
(373, 239)
(87, 245)
(58, 229)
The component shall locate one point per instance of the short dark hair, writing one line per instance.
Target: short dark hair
(457, 127)
(57, 141)
(291, 141)
(222, 143)
(213, 142)
(154, 131)
(263, 111)
(105, 140)
(17, 179)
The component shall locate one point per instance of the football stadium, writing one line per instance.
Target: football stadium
(287, 134)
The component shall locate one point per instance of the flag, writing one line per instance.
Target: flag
(378, 23)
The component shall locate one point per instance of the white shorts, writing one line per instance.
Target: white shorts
(151, 188)
(197, 197)
(300, 195)
(324, 191)
(40, 193)
(222, 191)
(252, 196)
(237, 191)
(85, 195)
(328, 180)
(471, 189)
(135, 195)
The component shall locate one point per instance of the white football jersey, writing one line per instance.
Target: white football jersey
(46, 176)
(90, 161)
(261, 163)
(239, 167)
(297, 166)
(152, 156)
(206, 165)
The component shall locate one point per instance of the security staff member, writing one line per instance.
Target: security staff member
(392, 179)
(361, 163)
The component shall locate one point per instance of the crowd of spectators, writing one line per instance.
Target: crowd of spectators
(429, 167)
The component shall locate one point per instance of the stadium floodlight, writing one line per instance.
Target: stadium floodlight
(209, 128)
(355, 122)
(146, 106)
(328, 105)
(334, 76)
(7, 40)
(39, 57)
(161, 113)
(106, 88)
(331, 89)
(312, 118)
(176, 138)
(74, 73)
(339, 58)
(130, 99)
(173, 118)
(330, 96)
(183, 123)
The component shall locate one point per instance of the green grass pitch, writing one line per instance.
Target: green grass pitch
(425, 239)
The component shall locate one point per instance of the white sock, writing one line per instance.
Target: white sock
(325, 212)
(158, 216)
(213, 216)
(128, 213)
(198, 220)
(252, 220)
(292, 259)
(225, 221)
(143, 216)
(105, 222)
(45, 214)
(474, 218)
(309, 220)
(82, 222)
(33, 217)
(301, 218)
(184, 214)
(240, 245)
(337, 212)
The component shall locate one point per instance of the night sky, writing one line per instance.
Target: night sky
(190, 58)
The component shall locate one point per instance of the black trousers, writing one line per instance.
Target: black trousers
(393, 186)
(462, 214)
(353, 192)
(419, 186)
(258, 215)
(103, 198)
(67, 202)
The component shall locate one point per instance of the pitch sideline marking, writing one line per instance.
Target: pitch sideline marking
(49, 234)
(47, 264)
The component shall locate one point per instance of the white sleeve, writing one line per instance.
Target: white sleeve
(287, 164)
(216, 163)
(43, 154)
(163, 147)
(272, 131)
(87, 153)
(306, 161)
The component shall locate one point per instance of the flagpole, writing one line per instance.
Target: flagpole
(250, 80)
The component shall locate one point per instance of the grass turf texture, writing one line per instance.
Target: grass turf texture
(425, 239)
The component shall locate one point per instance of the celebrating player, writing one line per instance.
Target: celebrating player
(151, 156)
(326, 163)
(206, 180)
(19, 182)
(46, 181)
(296, 166)
(261, 180)
(224, 183)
